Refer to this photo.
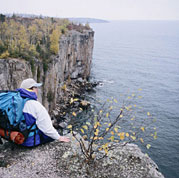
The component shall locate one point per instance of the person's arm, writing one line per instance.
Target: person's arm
(43, 120)
(44, 123)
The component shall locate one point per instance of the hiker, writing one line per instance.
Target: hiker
(35, 113)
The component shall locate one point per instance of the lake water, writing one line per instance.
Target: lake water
(129, 55)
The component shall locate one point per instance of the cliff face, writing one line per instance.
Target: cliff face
(73, 61)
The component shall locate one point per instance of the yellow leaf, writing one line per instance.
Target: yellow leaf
(133, 137)
(106, 144)
(155, 137)
(148, 113)
(121, 116)
(100, 111)
(135, 105)
(107, 114)
(100, 138)
(107, 129)
(115, 100)
(127, 134)
(109, 124)
(106, 150)
(112, 138)
(133, 94)
(128, 97)
(95, 138)
(111, 107)
(74, 114)
(146, 155)
(81, 109)
(84, 137)
(98, 124)
(71, 100)
(112, 133)
(116, 129)
(141, 139)
(88, 123)
(97, 131)
(76, 99)
(121, 135)
(82, 131)
(148, 146)
(64, 87)
(85, 127)
(100, 149)
(139, 97)
(140, 89)
(142, 128)
(69, 126)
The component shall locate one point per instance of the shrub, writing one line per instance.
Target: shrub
(4, 55)
(102, 129)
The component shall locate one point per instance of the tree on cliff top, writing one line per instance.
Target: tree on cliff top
(54, 41)
(30, 37)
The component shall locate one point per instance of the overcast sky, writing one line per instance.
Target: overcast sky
(102, 9)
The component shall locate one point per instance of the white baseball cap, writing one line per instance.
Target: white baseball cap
(29, 83)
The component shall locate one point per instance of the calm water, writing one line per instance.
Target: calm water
(129, 55)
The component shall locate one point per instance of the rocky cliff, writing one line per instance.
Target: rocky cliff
(73, 61)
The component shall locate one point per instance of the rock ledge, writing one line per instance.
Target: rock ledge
(61, 160)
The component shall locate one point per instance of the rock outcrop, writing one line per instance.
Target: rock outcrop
(64, 160)
(73, 61)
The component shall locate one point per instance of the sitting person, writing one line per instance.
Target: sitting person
(37, 117)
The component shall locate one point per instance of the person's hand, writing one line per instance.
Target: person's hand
(64, 139)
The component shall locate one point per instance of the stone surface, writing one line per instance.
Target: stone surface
(64, 160)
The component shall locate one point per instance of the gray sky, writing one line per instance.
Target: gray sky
(102, 9)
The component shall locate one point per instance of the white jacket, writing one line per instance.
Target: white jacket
(43, 120)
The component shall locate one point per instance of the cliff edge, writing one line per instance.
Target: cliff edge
(64, 160)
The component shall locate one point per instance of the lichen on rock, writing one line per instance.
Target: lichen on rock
(64, 160)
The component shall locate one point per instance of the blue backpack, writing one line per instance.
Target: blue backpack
(11, 113)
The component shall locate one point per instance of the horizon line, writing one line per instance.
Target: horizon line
(91, 17)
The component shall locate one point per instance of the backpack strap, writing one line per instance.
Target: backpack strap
(1, 142)
(26, 131)
(6, 91)
(5, 124)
